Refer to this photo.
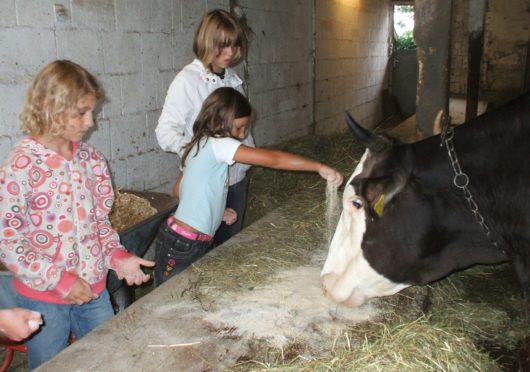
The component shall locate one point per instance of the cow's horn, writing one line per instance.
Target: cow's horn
(367, 138)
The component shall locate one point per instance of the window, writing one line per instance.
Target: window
(403, 27)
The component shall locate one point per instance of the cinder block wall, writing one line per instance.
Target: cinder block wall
(280, 67)
(352, 54)
(135, 48)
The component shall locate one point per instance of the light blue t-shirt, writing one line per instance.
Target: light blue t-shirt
(204, 184)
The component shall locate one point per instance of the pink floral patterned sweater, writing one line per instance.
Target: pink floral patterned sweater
(54, 224)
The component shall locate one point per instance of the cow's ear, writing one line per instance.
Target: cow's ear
(378, 192)
(373, 191)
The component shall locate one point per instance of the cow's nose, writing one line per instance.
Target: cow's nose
(330, 285)
(356, 299)
(328, 281)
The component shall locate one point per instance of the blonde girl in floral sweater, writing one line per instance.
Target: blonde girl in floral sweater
(55, 197)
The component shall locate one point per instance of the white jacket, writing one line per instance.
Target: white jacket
(183, 102)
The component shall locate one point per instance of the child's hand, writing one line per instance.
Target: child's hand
(130, 270)
(17, 323)
(81, 293)
(331, 175)
(229, 216)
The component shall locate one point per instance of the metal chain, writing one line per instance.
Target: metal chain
(461, 180)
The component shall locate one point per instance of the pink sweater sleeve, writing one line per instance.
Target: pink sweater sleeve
(104, 196)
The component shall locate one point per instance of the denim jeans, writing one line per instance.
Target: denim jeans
(174, 253)
(237, 200)
(59, 321)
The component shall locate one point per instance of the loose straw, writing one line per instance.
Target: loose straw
(331, 210)
(176, 345)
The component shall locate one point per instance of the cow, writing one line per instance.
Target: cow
(414, 213)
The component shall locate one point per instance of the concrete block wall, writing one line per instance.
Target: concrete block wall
(280, 68)
(135, 48)
(352, 55)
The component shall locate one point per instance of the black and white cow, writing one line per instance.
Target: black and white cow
(404, 222)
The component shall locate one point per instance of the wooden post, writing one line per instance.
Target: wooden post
(526, 80)
(432, 33)
(477, 12)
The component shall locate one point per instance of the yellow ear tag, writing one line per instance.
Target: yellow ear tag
(379, 205)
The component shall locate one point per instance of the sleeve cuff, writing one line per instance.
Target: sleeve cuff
(66, 283)
(118, 256)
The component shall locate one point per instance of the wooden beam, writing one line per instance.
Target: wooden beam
(526, 81)
(477, 12)
(432, 33)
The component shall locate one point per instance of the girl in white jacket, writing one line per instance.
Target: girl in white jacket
(219, 44)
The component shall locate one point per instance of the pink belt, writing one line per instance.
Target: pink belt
(172, 224)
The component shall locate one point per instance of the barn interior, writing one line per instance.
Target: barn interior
(308, 62)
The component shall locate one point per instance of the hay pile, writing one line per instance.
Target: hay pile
(128, 210)
(477, 319)
(465, 329)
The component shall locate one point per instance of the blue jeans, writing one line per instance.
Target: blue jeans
(59, 321)
(174, 253)
(237, 200)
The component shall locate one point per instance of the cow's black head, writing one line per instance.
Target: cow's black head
(393, 232)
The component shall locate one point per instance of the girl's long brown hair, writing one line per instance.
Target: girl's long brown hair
(217, 116)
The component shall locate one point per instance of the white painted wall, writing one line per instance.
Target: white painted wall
(352, 56)
(280, 67)
(135, 48)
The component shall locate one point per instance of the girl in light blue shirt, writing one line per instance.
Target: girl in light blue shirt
(218, 132)
(219, 45)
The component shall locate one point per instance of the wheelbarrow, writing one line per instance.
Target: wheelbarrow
(137, 239)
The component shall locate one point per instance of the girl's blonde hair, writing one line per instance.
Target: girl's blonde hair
(55, 91)
(217, 116)
(218, 29)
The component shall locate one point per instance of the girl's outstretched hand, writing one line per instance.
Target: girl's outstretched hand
(130, 270)
(331, 175)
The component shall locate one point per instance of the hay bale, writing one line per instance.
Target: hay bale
(128, 210)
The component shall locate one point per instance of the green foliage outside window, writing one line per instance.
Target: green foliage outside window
(405, 41)
(403, 27)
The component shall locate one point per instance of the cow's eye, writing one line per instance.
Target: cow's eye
(357, 203)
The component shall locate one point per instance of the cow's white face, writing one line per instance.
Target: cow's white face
(347, 277)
